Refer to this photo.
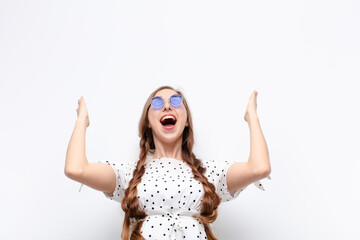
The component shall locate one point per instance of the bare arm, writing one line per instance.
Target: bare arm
(241, 174)
(259, 155)
(99, 176)
(75, 156)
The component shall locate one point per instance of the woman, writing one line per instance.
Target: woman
(168, 193)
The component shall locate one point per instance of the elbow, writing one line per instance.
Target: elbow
(263, 172)
(73, 170)
(72, 174)
(267, 172)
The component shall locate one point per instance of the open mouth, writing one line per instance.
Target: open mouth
(168, 121)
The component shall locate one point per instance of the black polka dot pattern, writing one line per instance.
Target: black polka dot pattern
(216, 173)
(170, 195)
(123, 172)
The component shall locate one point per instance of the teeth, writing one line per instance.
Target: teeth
(166, 117)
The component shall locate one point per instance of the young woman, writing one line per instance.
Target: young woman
(168, 193)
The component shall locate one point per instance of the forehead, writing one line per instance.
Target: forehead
(166, 93)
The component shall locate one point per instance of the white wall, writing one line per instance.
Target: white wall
(302, 57)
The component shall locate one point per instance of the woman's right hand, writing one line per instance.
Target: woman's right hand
(82, 112)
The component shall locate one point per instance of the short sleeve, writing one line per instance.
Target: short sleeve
(123, 174)
(216, 173)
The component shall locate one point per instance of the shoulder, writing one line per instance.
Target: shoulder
(216, 169)
(121, 164)
(216, 164)
(123, 168)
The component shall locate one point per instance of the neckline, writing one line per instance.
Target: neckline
(151, 157)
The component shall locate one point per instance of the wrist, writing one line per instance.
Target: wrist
(81, 123)
(253, 115)
(253, 118)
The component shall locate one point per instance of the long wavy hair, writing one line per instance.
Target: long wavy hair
(130, 202)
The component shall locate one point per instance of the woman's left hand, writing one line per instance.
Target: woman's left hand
(251, 107)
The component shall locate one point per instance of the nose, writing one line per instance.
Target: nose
(167, 104)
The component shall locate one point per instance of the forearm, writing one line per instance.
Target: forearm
(259, 155)
(75, 156)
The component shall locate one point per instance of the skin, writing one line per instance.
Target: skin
(241, 174)
(167, 142)
(100, 176)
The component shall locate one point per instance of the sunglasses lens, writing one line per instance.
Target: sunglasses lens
(157, 102)
(176, 100)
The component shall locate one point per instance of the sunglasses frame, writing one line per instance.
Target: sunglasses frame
(166, 99)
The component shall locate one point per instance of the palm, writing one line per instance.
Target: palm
(82, 112)
(252, 105)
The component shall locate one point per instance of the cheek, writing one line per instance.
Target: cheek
(151, 117)
(184, 115)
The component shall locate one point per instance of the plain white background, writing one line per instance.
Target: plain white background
(302, 57)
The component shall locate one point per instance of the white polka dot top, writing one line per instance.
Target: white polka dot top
(170, 195)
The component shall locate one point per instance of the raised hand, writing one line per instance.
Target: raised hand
(251, 107)
(82, 112)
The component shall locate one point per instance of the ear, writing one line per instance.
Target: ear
(186, 124)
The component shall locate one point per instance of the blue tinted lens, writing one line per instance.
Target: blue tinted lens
(157, 102)
(176, 100)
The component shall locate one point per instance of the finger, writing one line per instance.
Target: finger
(253, 94)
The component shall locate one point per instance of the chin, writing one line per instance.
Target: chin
(170, 136)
